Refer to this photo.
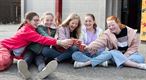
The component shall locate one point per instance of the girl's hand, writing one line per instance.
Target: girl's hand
(82, 47)
(66, 43)
(77, 42)
(127, 55)
(90, 50)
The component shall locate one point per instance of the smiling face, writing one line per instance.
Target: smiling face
(89, 22)
(48, 20)
(113, 26)
(73, 24)
(35, 21)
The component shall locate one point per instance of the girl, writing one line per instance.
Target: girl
(122, 43)
(90, 32)
(46, 28)
(70, 28)
(15, 46)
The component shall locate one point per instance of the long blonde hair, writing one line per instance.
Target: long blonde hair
(71, 17)
(116, 20)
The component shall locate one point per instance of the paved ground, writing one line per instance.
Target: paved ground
(65, 71)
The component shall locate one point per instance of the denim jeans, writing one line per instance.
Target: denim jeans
(39, 59)
(116, 56)
(51, 53)
(95, 59)
(120, 59)
(28, 57)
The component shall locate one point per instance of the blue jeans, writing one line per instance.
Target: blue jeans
(95, 59)
(120, 59)
(116, 56)
(51, 53)
(28, 57)
(39, 59)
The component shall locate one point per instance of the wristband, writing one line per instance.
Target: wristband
(59, 42)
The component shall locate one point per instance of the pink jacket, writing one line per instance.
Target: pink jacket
(109, 40)
(25, 36)
(63, 33)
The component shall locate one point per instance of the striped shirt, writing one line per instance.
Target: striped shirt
(122, 40)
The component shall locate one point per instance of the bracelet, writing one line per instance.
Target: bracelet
(59, 42)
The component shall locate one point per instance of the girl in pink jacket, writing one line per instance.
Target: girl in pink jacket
(16, 46)
(122, 43)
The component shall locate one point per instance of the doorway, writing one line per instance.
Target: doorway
(131, 13)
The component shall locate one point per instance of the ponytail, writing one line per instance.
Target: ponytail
(28, 16)
(94, 25)
(22, 24)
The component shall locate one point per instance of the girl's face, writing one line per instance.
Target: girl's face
(113, 26)
(73, 24)
(89, 22)
(48, 20)
(35, 21)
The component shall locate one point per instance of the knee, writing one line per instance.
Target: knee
(105, 52)
(77, 53)
(45, 51)
(140, 59)
(74, 48)
(136, 57)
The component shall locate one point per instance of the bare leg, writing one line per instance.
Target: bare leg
(131, 64)
(134, 64)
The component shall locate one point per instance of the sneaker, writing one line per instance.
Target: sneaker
(142, 66)
(79, 64)
(23, 69)
(50, 67)
(104, 64)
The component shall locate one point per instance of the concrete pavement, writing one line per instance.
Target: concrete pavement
(65, 71)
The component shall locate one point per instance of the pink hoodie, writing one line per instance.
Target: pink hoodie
(109, 40)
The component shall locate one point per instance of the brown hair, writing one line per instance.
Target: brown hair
(28, 16)
(72, 16)
(116, 20)
(45, 14)
(94, 25)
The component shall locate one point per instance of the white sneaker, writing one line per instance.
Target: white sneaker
(104, 64)
(79, 64)
(50, 67)
(23, 69)
(142, 66)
